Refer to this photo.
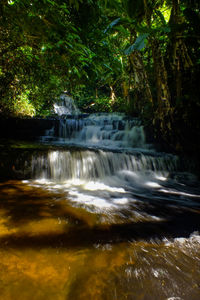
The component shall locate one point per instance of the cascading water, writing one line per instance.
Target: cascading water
(102, 130)
(105, 216)
(108, 153)
(65, 106)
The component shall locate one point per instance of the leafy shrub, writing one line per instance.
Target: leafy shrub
(22, 106)
(90, 104)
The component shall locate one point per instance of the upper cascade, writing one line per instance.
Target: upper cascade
(65, 106)
(101, 130)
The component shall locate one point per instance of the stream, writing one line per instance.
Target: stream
(104, 215)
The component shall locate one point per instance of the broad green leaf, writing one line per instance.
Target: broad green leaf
(160, 15)
(138, 45)
(113, 23)
(108, 67)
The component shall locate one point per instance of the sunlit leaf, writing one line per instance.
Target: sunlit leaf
(161, 16)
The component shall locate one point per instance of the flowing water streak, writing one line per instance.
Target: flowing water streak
(84, 164)
(102, 178)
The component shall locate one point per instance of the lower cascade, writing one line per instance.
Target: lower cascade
(77, 164)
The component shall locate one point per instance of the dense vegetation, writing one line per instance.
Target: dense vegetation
(141, 57)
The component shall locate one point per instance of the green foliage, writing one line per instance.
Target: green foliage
(22, 105)
(90, 104)
(42, 51)
(49, 46)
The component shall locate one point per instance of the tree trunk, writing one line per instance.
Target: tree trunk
(125, 90)
(180, 59)
(163, 94)
(141, 83)
(112, 94)
(96, 93)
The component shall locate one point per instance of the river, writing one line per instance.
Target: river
(104, 215)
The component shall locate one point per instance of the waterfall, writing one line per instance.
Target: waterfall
(65, 106)
(102, 161)
(110, 131)
(90, 165)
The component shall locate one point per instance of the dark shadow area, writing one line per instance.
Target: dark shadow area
(84, 236)
(26, 128)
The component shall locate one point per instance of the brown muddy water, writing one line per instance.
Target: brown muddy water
(53, 249)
